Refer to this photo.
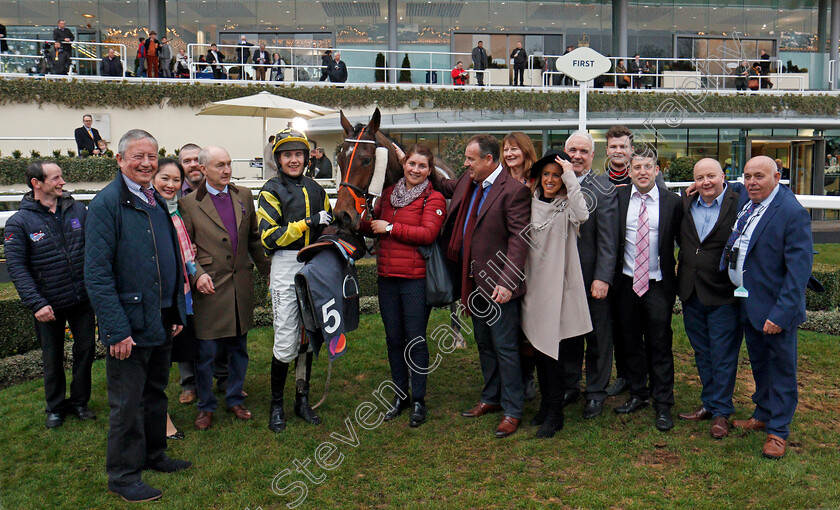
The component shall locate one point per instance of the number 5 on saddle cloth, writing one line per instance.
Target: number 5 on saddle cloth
(328, 293)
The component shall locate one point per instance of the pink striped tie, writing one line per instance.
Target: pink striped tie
(641, 277)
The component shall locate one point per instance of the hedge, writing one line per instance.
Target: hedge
(829, 277)
(17, 328)
(23, 367)
(13, 171)
(82, 94)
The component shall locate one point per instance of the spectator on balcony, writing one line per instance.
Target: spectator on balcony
(742, 72)
(215, 58)
(325, 65)
(4, 46)
(520, 61)
(480, 62)
(152, 46)
(262, 58)
(337, 69)
(622, 81)
(765, 63)
(63, 35)
(165, 57)
(110, 65)
(243, 53)
(59, 62)
(277, 70)
(140, 62)
(460, 76)
(182, 64)
(87, 137)
(636, 68)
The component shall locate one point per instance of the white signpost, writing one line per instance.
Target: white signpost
(583, 64)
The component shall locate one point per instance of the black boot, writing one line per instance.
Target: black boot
(553, 422)
(277, 418)
(397, 407)
(302, 407)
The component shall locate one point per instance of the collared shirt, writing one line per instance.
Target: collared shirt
(652, 202)
(736, 276)
(135, 188)
(186, 189)
(582, 176)
(214, 191)
(90, 132)
(485, 188)
(706, 215)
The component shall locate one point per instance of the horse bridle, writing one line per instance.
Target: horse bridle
(361, 198)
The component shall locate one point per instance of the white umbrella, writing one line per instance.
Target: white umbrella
(266, 105)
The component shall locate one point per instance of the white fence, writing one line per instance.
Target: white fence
(24, 54)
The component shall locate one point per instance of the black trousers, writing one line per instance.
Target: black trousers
(405, 315)
(82, 323)
(137, 398)
(599, 352)
(551, 375)
(646, 337)
(519, 71)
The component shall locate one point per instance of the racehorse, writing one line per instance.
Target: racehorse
(357, 162)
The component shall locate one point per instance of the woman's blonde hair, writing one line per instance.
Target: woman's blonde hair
(525, 144)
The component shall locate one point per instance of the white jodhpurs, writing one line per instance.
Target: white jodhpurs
(287, 324)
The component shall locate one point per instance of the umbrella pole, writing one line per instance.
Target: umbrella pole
(265, 120)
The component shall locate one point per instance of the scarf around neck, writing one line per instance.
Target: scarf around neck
(401, 196)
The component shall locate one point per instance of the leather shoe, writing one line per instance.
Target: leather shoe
(618, 387)
(204, 421)
(592, 409)
(507, 427)
(54, 420)
(277, 417)
(168, 465)
(418, 415)
(570, 397)
(774, 447)
(481, 409)
(397, 408)
(187, 397)
(664, 422)
(720, 427)
(241, 412)
(135, 492)
(83, 413)
(632, 405)
(751, 424)
(700, 414)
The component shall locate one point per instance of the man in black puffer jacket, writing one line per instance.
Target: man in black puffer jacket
(45, 253)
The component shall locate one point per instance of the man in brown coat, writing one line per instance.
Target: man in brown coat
(487, 215)
(221, 221)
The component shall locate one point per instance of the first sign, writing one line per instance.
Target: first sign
(583, 64)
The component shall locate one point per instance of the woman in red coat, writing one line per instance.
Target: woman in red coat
(409, 214)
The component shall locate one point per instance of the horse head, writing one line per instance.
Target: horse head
(357, 162)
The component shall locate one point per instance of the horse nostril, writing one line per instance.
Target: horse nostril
(344, 218)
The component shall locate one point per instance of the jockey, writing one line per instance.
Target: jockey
(293, 210)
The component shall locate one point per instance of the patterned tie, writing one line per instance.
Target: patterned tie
(739, 229)
(150, 196)
(641, 277)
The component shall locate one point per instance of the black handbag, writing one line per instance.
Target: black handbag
(439, 288)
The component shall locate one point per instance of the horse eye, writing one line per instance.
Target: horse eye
(366, 161)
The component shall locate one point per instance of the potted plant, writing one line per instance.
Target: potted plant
(379, 73)
(405, 73)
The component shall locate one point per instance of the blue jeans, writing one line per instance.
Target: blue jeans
(237, 366)
(402, 303)
(715, 335)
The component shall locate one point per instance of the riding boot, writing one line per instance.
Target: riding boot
(302, 407)
(554, 398)
(276, 417)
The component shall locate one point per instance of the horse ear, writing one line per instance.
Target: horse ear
(373, 125)
(348, 128)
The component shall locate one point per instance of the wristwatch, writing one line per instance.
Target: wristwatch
(389, 228)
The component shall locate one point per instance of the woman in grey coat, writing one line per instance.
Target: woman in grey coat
(165, 58)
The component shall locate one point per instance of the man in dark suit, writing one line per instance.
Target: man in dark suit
(135, 283)
(110, 65)
(262, 59)
(649, 225)
(4, 45)
(63, 35)
(597, 246)
(87, 137)
(710, 312)
(243, 53)
(769, 256)
(337, 69)
(480, 62)
(215, 59)
(488, 212)
(220, 219)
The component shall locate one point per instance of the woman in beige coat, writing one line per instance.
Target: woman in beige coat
(554, 308)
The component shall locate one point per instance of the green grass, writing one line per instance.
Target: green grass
(608, 462)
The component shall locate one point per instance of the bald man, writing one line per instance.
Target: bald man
(710, 309)
(768, 257)
(220, 219)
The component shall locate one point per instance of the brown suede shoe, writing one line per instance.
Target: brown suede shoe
(204, 421)
(774, 447)
(507, 427)
(751, 424)
(241, 412)
(720, 427)
(699, 415)
(481, 409)
(187, 397)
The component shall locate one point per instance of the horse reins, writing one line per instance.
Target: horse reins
(361, 203)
